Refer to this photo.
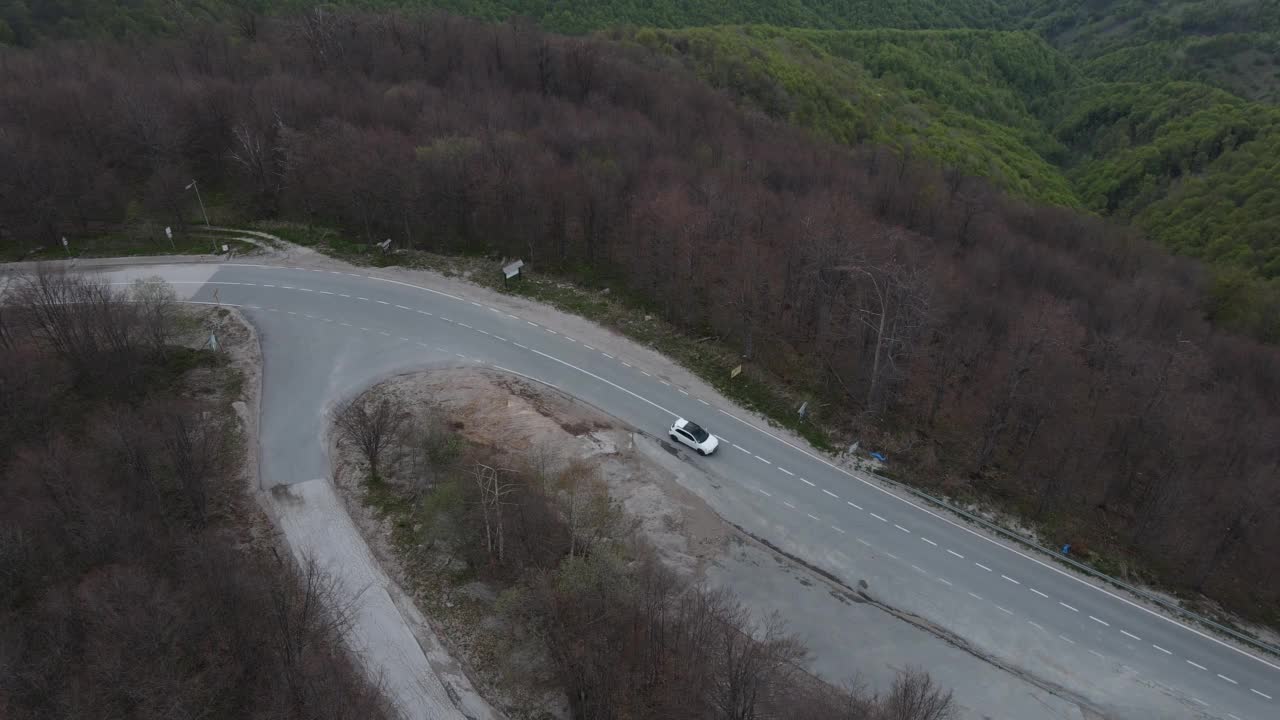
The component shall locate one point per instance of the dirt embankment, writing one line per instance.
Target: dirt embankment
(526, 422)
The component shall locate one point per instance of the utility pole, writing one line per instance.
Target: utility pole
(201, 201)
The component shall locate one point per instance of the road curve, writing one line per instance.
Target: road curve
(346, 328)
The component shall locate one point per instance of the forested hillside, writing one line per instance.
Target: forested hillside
(1031, 355)
(962, 97)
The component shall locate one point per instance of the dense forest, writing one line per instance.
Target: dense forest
(1019, 352)
(130, 581)
(1156, 112)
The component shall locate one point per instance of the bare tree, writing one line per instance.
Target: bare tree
(372, 430)
(493, 493)
(914, 696)
(157, 307)
(751, 665)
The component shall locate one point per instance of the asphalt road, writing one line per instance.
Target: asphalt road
(347, 329)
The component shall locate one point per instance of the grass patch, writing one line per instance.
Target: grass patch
(130, 243)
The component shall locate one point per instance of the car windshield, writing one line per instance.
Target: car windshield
(698, 433)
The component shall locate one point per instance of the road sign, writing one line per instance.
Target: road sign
(513, 269)
(735, 372)
(168, 232)
(804, 408)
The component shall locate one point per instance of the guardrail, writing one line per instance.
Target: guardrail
(1033, 545)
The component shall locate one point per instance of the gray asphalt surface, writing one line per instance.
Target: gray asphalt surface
(328, 334)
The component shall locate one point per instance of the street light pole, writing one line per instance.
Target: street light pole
(200, 200)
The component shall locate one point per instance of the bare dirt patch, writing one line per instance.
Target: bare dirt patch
(543, 426)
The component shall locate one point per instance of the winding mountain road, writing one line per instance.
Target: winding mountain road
(330, 330)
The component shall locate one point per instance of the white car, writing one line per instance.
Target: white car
(689, 433)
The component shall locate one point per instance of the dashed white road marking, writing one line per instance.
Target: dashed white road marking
(325, 292)
(830, 493)
(499, 337)
(445, 319)
(1233, 717)
(787, 471)
(929, 541)
(1195, 664)
(984, 567)
(682, 391)
(1067, 606)
(784, 502)
(522, 347)
(344, 295)
(944, 581)
(513, 317)
(611, 357)
(402, 307)
(878, 517)
(553, 332)
(765, 493)
(1224, 677)
(1095, 652)
(473, 302)
(1006, 577)
(1064, 637)
(1198, 700)
(902, 528)
(496, 310)
(864, 542)
(1038, 592)
(1003, 610)
(383, 302)
(975, 596)
(1259, 693)
(464, 357)
(742, 448)
(1126, 633)
(404, 339)
(462, 324)
(806, 482)
(664, 382)
(917, 568)
(645, 374)
(895, 557)
(953, 552)
(532, 323)
(1035, 624)
(1166, 652)
(587, 346)
(833, 527)
(1100, 622)
(482, 332)
(362, 298)
(815, 517)
(853, 505)
(704, 402)
(979, 536)
(766, 462)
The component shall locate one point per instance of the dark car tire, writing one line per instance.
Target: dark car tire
(702, 452)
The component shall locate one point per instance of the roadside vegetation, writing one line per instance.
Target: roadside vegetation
(1025, 356)
(585, 609)
(133, 579)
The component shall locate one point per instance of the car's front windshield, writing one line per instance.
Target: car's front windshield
(698, 433)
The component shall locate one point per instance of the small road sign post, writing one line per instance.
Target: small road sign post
(66, 247)
(735, 372)
(168, 232)
(511, 271)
